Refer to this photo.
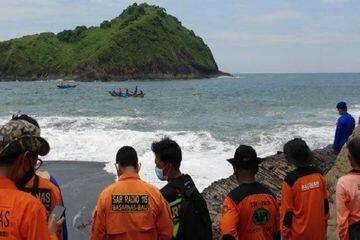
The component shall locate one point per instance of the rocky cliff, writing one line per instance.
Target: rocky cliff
(271, 173)
(143, 42)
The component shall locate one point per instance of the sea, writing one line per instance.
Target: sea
(209, 118)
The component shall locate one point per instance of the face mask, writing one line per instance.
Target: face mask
(160, 174)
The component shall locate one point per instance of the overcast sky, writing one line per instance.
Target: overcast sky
(245, 36)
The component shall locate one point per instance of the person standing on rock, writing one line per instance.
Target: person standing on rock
(344, 127)
(250, 211)
(188, 208)
(304, 210)
(131, 209)
(348, 196)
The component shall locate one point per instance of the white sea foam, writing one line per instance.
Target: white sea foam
(98, 139)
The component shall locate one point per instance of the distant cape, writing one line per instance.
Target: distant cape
(143, 42)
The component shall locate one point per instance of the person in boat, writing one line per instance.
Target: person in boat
(127, 91)
(141, 94)
(136, 90)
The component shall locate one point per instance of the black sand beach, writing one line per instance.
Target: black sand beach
(81, 183)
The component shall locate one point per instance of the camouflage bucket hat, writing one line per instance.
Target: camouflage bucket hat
(18, 136)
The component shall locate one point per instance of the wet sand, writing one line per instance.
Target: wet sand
(80, 183)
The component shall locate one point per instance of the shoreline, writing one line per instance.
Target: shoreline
(114, 78)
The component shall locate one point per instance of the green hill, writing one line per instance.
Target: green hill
(143, 42)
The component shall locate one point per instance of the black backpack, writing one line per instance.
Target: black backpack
(195, 222)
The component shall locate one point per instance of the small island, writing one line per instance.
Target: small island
(143, 42)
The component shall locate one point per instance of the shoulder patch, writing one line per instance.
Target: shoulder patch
(43, 195)
(129, 203)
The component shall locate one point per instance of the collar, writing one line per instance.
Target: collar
(6, 183)
(128, 176)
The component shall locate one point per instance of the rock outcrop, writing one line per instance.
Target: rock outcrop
(271, 173)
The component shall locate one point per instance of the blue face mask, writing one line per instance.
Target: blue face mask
(160, 174)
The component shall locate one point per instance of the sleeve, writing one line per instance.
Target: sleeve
(286, 210)
(164, 223)
(229, 220)
(98, 227)
(326, 203)
(342, 211)
(64, 230)
(338, 136)
(36, 226)
(57, 201)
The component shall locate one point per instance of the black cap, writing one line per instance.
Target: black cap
(297, 152)
(245, 157)
(127, 156)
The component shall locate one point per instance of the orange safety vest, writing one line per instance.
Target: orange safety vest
(304, 207)
(131, 209)
(250, 212)
(21, 215)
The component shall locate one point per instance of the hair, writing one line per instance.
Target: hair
(127, 157)
(168, 151)
(354, 149)
(26, 118)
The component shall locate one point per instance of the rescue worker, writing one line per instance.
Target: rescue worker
(22, 216)
(304, 210)
(250, 211)
(130, 209)
(348, 196)
(40, 185)
(188, 208)
(344, 127)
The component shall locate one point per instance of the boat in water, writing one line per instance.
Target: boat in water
(66, 86)
(126, 95)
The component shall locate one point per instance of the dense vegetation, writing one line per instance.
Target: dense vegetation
(143, 42)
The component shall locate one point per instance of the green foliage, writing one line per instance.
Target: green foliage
(105, 24)
(142, 40)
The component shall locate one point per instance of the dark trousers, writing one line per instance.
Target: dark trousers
(354, 231)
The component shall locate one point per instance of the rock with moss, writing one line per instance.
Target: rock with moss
(143, 42)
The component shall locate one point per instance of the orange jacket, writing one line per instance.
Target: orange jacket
(21, 215)
(304, 207)
(250, 212)
(347, 202)
(46, 192)
(131, 209)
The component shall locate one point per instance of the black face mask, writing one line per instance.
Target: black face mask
(20, 184)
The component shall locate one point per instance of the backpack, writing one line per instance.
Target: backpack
(195, 222)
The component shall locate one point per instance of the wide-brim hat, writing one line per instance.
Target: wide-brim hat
(245, 157)
(18, 136)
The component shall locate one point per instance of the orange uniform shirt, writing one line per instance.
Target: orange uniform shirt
(348, 202)
(45, 191)
(131, 209)
(304, 207)
(250, 212)
(21, 215)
